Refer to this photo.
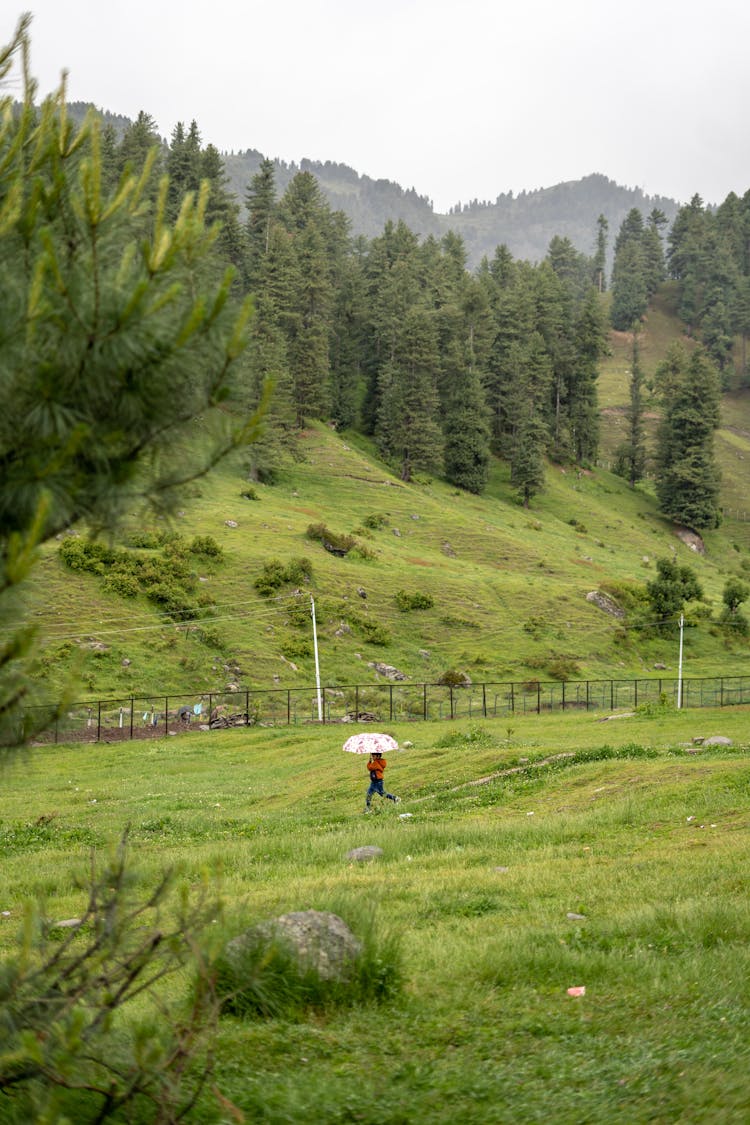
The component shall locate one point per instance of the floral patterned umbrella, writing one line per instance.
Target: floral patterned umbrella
(369, 743)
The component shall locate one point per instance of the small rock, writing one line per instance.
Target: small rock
(126, 663)
(231, 523)
(573, 917)
(397, 533)
(717, 740)
(501, 870)
(365, 854)
(362, 593)
(67, 923)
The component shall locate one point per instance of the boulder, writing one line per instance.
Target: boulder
(316, 939)
(386, 670)
(717, 740)
(604, 602)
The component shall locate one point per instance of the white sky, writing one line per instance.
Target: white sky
(460, 101)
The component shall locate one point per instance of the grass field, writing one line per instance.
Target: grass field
(555, 852)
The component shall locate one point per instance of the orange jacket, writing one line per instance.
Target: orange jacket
(376, 766)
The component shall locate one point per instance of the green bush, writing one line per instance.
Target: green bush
(206, 546)
(372, 632)
(318, 532)
(271, 578)
(122, 583)
(375, 521)
(406, 601)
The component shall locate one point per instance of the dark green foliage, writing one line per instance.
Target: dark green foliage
(631, 454)
(166, 579)
(375, 521)
(735, 592)
(687, 482)
(319, 533)
(118, 330)
(406, 601)
(276, 574)
(207, 547)
(671, 589)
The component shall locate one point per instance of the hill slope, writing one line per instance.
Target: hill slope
(508, 586)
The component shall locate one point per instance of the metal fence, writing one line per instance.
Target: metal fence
(111, 720)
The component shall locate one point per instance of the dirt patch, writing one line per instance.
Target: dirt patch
(420, 562)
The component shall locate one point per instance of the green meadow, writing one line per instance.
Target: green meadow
(527, 856)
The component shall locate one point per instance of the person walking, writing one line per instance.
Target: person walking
(376, 766)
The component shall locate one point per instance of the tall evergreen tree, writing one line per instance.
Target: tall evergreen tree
(687, 482)
(631, 454)
(408, 431)
(260, 201)
(599, 264)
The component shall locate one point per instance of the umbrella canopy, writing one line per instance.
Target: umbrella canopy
(369, 743)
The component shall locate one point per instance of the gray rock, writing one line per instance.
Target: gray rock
(717, 740)
(386, 670)
(317, 939)
(231, 523)
(573, 917)
(365, 854)
(604, 602)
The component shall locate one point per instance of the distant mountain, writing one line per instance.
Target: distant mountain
(525, 223)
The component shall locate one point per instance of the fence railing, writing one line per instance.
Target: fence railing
(110, 720)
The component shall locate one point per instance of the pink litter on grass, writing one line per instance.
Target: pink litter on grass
(577, 990)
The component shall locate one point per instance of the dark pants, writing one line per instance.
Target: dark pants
(376, 786)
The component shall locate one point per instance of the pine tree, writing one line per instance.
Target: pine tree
(260, 201)
(631, 454)
(629, 274)
(113, 343)
(599, 264)
(467, 435)
(687, 482)
(527, 461)
(408, 431)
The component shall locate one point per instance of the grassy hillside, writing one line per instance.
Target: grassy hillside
(508, 586)
(562, 852)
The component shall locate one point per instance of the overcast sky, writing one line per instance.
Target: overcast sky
(459, 101)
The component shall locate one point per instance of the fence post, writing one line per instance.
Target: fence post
(424, 701)
(721, 691)
(99, 721)
(450, 689)
(132, 715)
(538, 698)
(563, 695)
(356, 703)
(512, 699)
(484, 700)
(611, 695)
(210, 707)
(288, 707)
(166, 714)
(390, 703)
(635, 693)
(587, 696)
(324, 706)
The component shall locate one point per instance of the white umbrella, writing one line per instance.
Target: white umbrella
(369, 743)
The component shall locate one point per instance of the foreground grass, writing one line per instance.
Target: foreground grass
(512, 830)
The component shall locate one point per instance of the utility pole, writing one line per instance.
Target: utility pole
(679, 667)
(317, 666)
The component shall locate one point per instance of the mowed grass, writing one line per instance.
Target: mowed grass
(528, 856)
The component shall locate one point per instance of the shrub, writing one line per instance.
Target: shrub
(454, 678)
(296, 648)
(271, 578)
(207, 546)
(406, 601)
(563, 668)
(372, 632)
(318, 532)
(122, 583)
(375, 521)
